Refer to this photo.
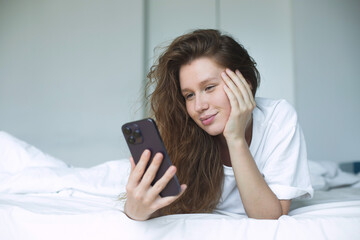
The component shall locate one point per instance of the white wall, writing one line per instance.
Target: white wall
(265, 30)
(70, 75)
(263, 27)
(167, 19)
(307, 53)
(327, 60)
(71, 72)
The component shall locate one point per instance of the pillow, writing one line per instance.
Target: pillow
(15, 155)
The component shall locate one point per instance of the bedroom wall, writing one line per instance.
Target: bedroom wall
(307, 53)
(71, 75)
(327, 58)
(71, 72)
(167, 19)
(266, 32)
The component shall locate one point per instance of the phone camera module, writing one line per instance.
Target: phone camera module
(137, 133)
(131, 139)
(127, 130)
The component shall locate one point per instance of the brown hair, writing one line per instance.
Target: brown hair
(195, 153)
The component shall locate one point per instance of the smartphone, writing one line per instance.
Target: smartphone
(144, 134)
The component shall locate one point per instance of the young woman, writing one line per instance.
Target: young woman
(232, 152)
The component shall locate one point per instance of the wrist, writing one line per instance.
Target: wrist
(135, 216)
(237, 142)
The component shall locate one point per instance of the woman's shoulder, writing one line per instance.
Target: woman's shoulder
(275, 111)
(272, 103)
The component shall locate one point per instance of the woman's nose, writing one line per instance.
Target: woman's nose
(201, 103)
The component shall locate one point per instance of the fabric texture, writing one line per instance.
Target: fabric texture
(43, 198)
(279, 150)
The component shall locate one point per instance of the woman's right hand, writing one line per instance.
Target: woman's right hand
(142, 198)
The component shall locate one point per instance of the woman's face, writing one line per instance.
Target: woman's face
(203, 89)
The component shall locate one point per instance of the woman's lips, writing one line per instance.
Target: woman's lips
(208, 120)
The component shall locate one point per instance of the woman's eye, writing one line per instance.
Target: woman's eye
(188, 96)
(209, 87)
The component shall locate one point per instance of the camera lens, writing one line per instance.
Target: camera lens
(137, 133)
(131, 139)
(127, 130)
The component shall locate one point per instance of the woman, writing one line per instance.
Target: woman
(232, 152)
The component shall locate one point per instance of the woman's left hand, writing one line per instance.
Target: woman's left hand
(242, 104)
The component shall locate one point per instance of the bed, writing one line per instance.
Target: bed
(44, 198)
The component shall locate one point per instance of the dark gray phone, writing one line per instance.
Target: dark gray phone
(144, 134)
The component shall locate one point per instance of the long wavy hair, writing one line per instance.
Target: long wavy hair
(195, 153)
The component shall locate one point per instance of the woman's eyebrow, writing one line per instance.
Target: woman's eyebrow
(202, 83)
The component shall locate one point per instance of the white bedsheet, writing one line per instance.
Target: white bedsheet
(326, 175)
(55, 217)
(43, 198)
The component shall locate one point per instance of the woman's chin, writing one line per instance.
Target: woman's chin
(214, 131)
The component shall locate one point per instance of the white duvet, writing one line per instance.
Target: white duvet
(44, 198)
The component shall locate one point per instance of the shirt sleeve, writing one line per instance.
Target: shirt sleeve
(286, 169)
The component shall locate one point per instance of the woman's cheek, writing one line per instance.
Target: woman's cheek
(188, 109)
(226, 106)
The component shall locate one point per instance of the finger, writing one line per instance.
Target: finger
(162, 182)
(231, 96)
(247, 86)
(150, 173)
(234, 103)
(233, 87)
(138, 172)
(243, 80)
(240, 84)
(132, 163)
(163, 202)
(130, 183)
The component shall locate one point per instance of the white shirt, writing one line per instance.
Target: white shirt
(279, 150)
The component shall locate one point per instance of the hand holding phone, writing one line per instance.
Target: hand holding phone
(152, 182)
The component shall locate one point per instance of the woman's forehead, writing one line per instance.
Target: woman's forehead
(198, 71)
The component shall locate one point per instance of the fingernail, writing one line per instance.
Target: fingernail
(223, 74)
